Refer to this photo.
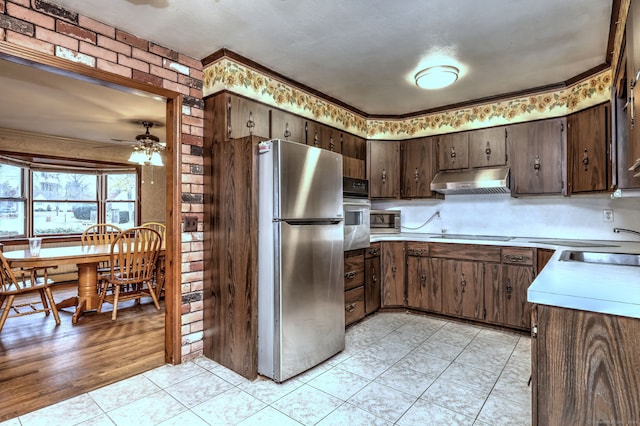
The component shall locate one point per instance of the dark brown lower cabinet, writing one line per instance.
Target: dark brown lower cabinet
(353, 286)
(393, 278)
(505, 295)
(423, 283)
(462, 288)
(353, 305)
(585, 368)
(372, 279)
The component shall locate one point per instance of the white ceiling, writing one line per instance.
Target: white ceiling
(361, 52)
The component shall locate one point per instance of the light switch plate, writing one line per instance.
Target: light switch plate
(607, 215)
(190, 224)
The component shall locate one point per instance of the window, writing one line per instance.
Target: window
(12, 201)
(63, 202)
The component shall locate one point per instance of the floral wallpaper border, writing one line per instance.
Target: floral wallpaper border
(227, 74)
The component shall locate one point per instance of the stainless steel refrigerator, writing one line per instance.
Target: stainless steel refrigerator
(300, 258)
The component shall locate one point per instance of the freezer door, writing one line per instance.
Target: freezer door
(311, 296)
(308, 182)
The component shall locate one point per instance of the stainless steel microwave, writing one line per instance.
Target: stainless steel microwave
(385, 221)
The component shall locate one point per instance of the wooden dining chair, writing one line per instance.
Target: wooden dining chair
(100, 234)
(159, 275)
(133, 258)
(29, 281)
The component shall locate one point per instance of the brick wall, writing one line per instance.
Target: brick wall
(50, 29)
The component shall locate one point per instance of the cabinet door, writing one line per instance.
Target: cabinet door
(384, 165)
(535, 153)
(587, 143)
(488, 147)
(393, 269)
(287, 126)
(322, 136)
(462, 292)
(246, 117)
(505, 297)
(372, 287)
(417, 169)
(453, 151)
(354, 154)
(423, 283)
(586, 368)
(353, 269)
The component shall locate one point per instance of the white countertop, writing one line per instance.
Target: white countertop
(607, 289)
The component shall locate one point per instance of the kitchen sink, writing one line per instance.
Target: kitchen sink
(602, 258)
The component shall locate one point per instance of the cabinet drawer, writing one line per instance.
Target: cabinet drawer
(415, 248)
(465, 252)
(353, 271)
(517, 255)
(372, 251)
(353, 305)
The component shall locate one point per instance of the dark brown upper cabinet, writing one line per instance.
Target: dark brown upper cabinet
(453, 151)
(588, 146)
(383, 162)
(287, 126)
(536, 151)
(417, 168)
(488, 147)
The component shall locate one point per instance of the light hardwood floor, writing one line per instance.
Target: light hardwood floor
(41, 364)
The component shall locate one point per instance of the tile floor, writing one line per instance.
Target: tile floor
(396, 368)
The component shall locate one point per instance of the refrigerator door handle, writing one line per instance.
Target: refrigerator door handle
(300, 222)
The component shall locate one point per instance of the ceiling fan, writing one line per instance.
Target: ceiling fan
(146, 147)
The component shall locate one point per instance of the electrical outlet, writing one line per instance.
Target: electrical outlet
(190, 224)
(608, 215)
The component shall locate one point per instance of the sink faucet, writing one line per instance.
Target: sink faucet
(631, 231)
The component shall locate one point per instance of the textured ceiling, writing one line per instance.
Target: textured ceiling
(365, 52)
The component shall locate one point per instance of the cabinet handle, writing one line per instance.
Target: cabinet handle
(331, 144)
(453, 152)
(384, 175)
(536, 164)
(287, 133)
(515, 259)
(585, 160)
(423, 280)
(350, 308)
(316, 141)
(373, 252)
(463, 283)
(416, 175)
(374, 279)
(350, 275)
(250, 123)
(394, 269)
(487, 151)
(508, 288)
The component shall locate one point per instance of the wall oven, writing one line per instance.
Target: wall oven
(357, 208)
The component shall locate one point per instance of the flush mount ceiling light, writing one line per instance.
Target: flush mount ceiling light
(437, 77)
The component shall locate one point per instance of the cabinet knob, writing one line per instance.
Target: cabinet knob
(287, 133)
(316, 141)
(416, 175)
(585, 159)
(350, 275)
(384, 175)
(350, 308)
(394, 269)
(487, 151)
(536, 165)
(453, 152)
(250, 123)
(423, 279)
(508, 289)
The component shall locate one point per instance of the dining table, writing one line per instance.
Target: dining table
(86, 258)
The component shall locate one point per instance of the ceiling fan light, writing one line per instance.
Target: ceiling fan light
(138, 157)
(156, 159)
(437, 77)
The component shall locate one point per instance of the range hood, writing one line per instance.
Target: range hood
(494, 180)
